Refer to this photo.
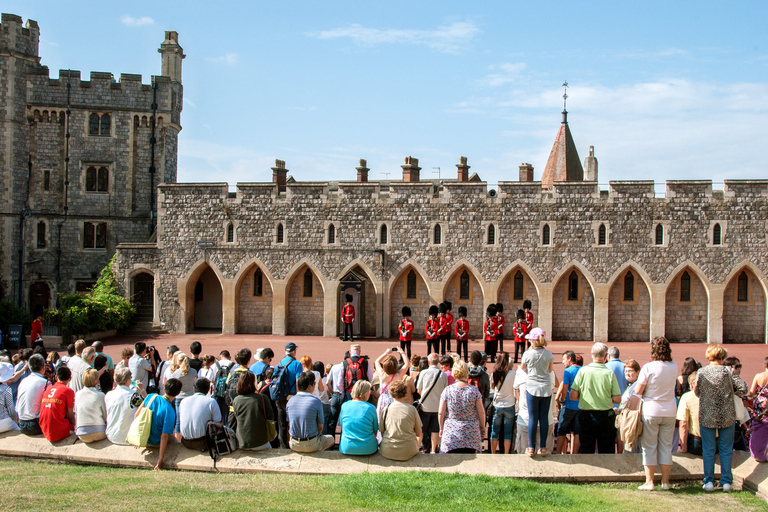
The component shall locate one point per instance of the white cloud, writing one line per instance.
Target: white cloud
(137, 22)
(503, 74)
(229, 59)
(447, 38)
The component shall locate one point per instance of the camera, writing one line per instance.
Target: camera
(394, 349)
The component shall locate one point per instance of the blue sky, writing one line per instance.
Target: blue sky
(663, 90)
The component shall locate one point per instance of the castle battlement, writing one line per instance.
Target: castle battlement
(17, 37)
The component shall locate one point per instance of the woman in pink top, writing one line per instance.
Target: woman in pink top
(656, 386)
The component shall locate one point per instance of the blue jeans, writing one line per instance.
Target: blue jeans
(538, 416)
(503, 416)
(326, 417)
(708, 446)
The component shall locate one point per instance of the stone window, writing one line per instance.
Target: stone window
(383, 234)
(573, 286)
(411, 283)
(716, 231)
(743, 288)
(258, 283)
(41, 241)
(46, 180)
(464, 286)
(437, 238)
(519, 286)
(685, 287)
(307, 283)
(230, 233)
(659, 234)
(601, 235)
(95, 235)
(199, 292)
(100, 124)
(629, 287)
(331, 234)
(280, 234)
(491, 239)
(97, 178)
(545, 235)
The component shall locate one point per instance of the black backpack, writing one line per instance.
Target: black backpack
(231, 392)
(221, 440)
(220, 381)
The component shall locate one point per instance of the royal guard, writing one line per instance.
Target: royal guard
(348, 317)
(430, 328)
(442, 327)
(489, 331)
(462, 333)
(500, 326)
(520, 329)
(406, 331)
(449, 317)
(528, 317)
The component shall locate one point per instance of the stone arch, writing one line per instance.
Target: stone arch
(186, 287)
(506, 289)
(398, 297)
(305, 313)
(573, 318)
(297, 266)
(142, 293)
(253, 311)
(475, 301)
(687, 320)
(744, 321)
(357, 262)
(365, 299)
(629, 319)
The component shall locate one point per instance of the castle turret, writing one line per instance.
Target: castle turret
(590, 166)
(564, 163)
(172, 55)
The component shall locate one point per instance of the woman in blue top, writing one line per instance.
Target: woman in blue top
(359, 422)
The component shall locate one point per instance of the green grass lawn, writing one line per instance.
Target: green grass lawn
(32, 486)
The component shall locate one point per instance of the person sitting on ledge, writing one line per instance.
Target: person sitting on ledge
(305, 418)
(30, 396)
(195, 412)
(163, 418)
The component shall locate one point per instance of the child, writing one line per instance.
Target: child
(519, 329)
(500, 326)
(449, 316)
(431, 330)
(462, 332)
(348, 316)
(528, 317)
(489, 328)
(406, 331)
(442, 327)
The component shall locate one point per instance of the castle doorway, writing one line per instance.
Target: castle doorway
(306, 301)
(687, 308)
(254, 303)
(39, 297)
(573, 308)
(744, 309)
(356, 284)
(208, 296)
(629, 308)
(143, 297)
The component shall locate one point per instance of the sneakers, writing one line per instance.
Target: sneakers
(709, 487)
(727, 488)
(648, 486)
(665, 487)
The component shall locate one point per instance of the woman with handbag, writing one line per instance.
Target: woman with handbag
(502, 381)
(538, 363)
(718, 388)
(656, 385)
(255, 418)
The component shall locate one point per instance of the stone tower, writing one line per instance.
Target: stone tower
(590, 164)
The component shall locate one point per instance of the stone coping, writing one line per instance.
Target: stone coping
(559, 468)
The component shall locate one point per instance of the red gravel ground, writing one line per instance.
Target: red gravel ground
(331, 350)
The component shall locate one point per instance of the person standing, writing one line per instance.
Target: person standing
(462, 333)
(500, 326)
(489, 331)
(568, 422)
(430, 328)
(616, 365)
(140, 364)
(520, 329)
(406, 331)
(538, 363)
(36, 336)
(430, 385)
(291, 369)
(442, 327)
(348, 318)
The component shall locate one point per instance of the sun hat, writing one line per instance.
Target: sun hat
(535, 333)
(6, 371)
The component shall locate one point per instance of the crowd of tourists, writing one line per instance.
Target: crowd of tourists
(397, 405)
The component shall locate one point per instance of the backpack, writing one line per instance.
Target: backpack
(280, 387)
(221, 440)
(220, 381)
(231, 386)
(353, 372)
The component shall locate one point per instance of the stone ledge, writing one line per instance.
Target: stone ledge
(562, 468)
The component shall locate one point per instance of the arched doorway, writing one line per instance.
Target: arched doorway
(686, 308)
(39, 297)
(208, 301)
(254, 303)
(744, 309)
(305, 304)
(357, 284)
(143, 297)
(409, 289)
(463, 289)
(629, 308)
(517, 287)
(573, 307)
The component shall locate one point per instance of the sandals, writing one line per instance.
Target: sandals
(543, 452)
(530, 452)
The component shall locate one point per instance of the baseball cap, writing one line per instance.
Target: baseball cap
(290, 347)
(535, 333)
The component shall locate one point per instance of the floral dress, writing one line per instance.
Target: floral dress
(462, 426)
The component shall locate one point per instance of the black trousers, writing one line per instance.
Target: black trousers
(519, 347)
(490, 348)
(465, 344)
(282, 424)
(348, 329)
(406, 346)
(500, 342)
(597, 429)
(444, 340)
(433, 344)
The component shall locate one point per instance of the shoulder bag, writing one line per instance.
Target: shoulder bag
(138, 434)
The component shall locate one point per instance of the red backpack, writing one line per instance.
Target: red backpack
(353, 372)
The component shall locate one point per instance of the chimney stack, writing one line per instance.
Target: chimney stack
(463, 169)
(362, 171)
(526, 172)
(411, 170)
(279, 173)
(590, 165)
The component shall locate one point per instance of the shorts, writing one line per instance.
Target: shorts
(568, 421)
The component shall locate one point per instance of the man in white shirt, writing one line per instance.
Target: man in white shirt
(430, 385)
(196, 411)
(122, 403)
(140, 364)
(78, 365)
(30, 395)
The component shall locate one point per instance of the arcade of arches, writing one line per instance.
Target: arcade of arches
(687, 307)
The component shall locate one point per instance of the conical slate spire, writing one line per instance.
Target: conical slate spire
(564, 163)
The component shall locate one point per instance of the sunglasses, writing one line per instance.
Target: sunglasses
(737, 366)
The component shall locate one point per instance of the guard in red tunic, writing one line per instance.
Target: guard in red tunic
(500, 326)
(430, 328)
(348, 317)
(449, 317)
(489, 332)
(442, 327)
(520, 329)
(36, 336)
(462, 333)
(528, 318)
(406, 331)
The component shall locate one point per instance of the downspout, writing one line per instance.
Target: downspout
(152, 142)
(66, 194)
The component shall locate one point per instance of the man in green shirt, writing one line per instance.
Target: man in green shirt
(596, 389)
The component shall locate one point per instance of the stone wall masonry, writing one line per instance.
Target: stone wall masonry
(744, 322)
(254, 313)
(419, 307)
(629, 322)
(505, 296)
(305, 315)
(572, 320)
(475, 305)
(686, 321)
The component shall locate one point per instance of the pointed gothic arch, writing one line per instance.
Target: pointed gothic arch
(398, 296)
(744, 305)
(573, 303)
(305, 300)
(687, 305)
(253, 298)
(463, 287)
(629, 304)
(205, 309)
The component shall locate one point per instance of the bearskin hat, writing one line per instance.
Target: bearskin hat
(499, 307)
(526, 304)
(433, 310)
(406, 311)
(462, 310)
(348, 298)
(449, 305)
(520, 314)
(442, 308)
(491, 311)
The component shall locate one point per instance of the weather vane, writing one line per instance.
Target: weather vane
(565, 93)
